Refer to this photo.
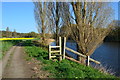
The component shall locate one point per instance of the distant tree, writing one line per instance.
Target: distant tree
(31, 34)
(1, 34)
(10, 34)
(7, 32)
(114, 34)
(14, 33)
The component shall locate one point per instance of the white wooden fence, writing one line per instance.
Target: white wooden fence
(54, 53)
(61, 53)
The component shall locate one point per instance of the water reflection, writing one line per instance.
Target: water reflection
(108, 55)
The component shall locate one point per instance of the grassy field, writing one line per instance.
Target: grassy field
(65, 68)
(5, 46)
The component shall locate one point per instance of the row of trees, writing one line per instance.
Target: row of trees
(9, 33)
(15, 34)
(87, 23)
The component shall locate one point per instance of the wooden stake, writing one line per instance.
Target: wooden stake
(64, 47)
(49, 52)
(60, 48)
(88, 61)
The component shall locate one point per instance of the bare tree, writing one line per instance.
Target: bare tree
(59, 13)
(50, 16)
(40, 12)
(91, 25)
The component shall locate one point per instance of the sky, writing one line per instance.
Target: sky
(20, 16)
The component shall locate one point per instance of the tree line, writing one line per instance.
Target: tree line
(14, 34)
(114, 35)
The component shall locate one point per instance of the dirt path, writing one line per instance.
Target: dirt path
(16, 66)
(6, 57)
(4, 61)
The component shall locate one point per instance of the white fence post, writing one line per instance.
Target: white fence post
(49, 52)
(60, 48)
(64, 47)
(88, 61)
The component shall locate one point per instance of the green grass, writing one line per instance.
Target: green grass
(5, 46)
(64, 68)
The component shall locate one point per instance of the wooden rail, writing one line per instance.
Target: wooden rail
(82, 55)
(69, 58)
(55, 46)
(61, 53)
(94, 61)
(55, 51)
(75, 52)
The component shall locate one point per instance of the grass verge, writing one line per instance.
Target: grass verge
(64, 68)
(5, 46)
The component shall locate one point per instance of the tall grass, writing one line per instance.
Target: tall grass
(64, 68)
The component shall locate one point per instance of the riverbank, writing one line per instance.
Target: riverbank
(64, 68)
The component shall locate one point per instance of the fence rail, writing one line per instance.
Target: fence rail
(97, 62)
(61, 53)
(55, 46)
(55, 53)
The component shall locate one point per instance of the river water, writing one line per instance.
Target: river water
(107, 53)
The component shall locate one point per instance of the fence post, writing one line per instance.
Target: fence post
(88, 61)
(60, 48)
(49, 52)
(64, 47)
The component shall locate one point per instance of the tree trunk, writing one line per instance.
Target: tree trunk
(57, 36)
(57, 28)
(79, 58)
(43, 34)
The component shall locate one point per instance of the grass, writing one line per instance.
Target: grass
(5, 46)
(64, 68)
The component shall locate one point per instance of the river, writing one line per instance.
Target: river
(107, 53)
